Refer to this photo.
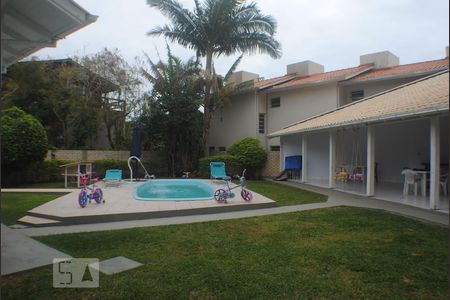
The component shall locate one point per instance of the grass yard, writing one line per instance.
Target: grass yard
(284, 195)
(15, 205)
(42, 185)
(339, 253)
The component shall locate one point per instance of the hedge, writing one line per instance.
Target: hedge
(50, 171)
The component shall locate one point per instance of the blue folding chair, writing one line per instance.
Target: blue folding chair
(112, 177)
(218, 171)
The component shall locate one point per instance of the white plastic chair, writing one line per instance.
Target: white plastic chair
(410, 178)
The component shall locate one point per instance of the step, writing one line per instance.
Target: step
(37, 221)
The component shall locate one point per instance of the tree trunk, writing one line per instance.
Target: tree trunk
(206, 106)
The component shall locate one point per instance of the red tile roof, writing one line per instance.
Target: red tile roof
(274, 80)
(422, 67)
(324, 77)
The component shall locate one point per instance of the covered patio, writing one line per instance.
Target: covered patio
(364, 147)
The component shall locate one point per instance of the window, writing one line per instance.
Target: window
(261, 123)
(275, 102)
(222, 149)
(275, 148)
(212, 150)
(357, 95)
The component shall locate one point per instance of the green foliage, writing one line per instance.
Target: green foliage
(233, 164)
(215, 28)
(253, 155)
(66, 96)
(24, 139)
(173, 121)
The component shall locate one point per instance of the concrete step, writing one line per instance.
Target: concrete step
(37, 221)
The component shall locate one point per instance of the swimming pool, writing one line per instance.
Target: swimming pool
(174, 190)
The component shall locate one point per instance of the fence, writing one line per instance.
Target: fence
(94, 155)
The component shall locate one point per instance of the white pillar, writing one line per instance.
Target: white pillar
(282, 166)
(370, 171)
(332, 159)
(435, 147)
(304, 157)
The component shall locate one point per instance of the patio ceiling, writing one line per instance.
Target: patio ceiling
(30, 25)
(426, 96)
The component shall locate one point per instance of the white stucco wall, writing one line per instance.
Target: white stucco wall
(236, 120)
(317, 156)
(292, 145)
(370, 88)
(298, 105)
(401, 145)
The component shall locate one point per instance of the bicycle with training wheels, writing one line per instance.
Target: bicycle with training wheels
(88, 193)
(221, 195)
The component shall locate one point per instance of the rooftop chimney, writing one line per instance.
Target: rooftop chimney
(446, 52)
(305, 68)
(383, 59)
(242, 76)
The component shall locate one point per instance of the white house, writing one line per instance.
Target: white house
(371, 141)
(267, 106)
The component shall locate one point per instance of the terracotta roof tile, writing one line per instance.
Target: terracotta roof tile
(419, 97)
(422, 67)
(323, 77)
(262, 83)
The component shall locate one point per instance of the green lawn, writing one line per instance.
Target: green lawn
(284, 195)
(42, 185)
(339, 253)
(15, 205)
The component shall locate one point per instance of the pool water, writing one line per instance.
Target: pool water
(174, 190)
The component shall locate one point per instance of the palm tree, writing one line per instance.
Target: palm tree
(215, 28)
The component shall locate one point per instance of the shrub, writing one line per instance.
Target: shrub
(24, 139)
(253, 155)
(233, 164)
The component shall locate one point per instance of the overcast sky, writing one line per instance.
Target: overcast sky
(330, 32)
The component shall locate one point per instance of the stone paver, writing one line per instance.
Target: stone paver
(117, 265)
(20, 252)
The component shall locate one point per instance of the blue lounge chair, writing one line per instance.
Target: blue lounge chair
(218, 171)
(113, 177)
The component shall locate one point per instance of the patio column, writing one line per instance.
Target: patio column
(304, 156)
(435, 146)
(282, 166)
(332, 165)
(370, 183)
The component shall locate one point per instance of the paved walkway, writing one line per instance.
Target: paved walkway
(20, 252)
(335, 198)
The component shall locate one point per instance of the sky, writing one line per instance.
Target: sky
(333, 33)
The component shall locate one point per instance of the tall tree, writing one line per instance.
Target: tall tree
(123, 102)
(173, 120)
(215, 28)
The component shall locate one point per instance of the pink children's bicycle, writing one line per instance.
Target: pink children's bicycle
(222, 195)
(88, 193)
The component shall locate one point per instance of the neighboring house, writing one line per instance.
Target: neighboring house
(265, 106)
(88, 88)
(363, 147)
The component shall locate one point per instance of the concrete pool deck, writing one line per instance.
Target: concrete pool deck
(121, 206)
